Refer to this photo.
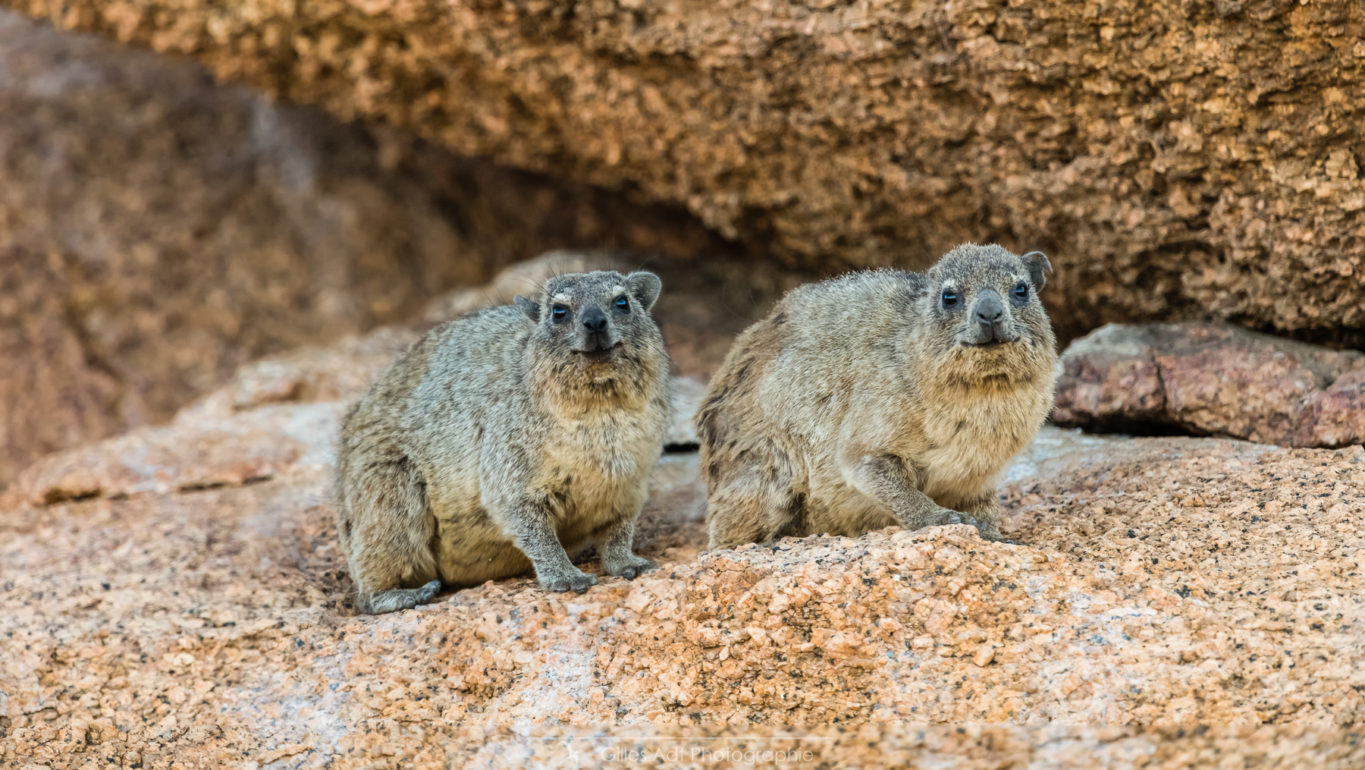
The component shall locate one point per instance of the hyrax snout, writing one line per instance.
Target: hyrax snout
(502, 438)
(879, 398)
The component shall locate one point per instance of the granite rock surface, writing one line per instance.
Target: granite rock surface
(1215, 380)
(1177, 160)
(178, 594)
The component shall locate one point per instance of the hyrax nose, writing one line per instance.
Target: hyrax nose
(594, 320)
(989, 309)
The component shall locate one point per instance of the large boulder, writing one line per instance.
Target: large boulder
(157, 231)
(1174, 159)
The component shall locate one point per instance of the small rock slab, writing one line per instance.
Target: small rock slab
(1212, 379)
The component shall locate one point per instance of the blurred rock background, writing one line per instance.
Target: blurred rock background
(158, 230)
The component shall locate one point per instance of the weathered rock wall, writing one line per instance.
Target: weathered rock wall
(1176, 159)
(158, 230)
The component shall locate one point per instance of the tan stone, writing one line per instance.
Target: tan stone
(1175, 161)
(206, 616)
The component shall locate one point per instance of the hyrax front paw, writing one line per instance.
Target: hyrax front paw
(986, 527)
(989, 531)
(427, 592)
(630, 567)
(946, 516)
(577, 581)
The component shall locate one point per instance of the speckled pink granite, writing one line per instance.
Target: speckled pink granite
(177, 594)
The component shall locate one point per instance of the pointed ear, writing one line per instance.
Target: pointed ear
(1038, 268)
(644, 287)
(530, 307)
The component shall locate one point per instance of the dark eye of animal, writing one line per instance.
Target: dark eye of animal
(949, 298)
(622, 303)
(559, 313)
(1021, 290)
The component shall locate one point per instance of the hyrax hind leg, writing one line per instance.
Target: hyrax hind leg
(751, 498)
(387, 533)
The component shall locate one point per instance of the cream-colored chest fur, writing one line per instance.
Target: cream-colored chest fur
(602, 456)
(969, 445)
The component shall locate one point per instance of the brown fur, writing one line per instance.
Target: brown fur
(502, 438)
(861, 402)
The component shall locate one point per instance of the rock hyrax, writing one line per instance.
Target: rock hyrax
(502, 437)
(879, 398)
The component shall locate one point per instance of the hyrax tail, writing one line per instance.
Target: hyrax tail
(388, 533)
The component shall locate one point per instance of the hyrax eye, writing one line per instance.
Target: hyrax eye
(1021, 290)
(949, 298)
(622, 303)
(560, 313)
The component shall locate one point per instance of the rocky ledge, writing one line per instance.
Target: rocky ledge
(1176, 160)
(178, 594)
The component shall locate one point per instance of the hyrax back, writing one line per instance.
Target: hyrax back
(879, 398)
(501, 438)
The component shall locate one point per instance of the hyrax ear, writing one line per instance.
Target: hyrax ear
(1038, 268)
(644, 287)
(530, 307)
